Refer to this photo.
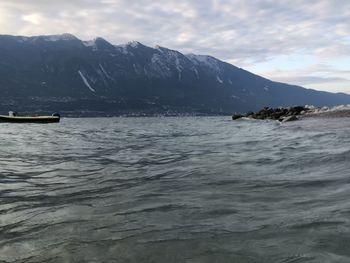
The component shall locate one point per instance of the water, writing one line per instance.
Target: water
(175, 190)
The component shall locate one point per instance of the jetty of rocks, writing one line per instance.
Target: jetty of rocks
(280, 114)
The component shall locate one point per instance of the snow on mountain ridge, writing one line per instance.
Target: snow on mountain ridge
(209, 61)
(160, 62)
(134, 44)
(160, 66)
(97, 43)
(87, 84)
(170, 56)
(62, 37)
(196, 59)
(126, 48)
(89, 43)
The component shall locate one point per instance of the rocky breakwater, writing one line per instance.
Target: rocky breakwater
(280, 114)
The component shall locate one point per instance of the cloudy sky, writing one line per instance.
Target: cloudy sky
(304, 42)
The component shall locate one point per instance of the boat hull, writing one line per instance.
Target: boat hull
(25, 119)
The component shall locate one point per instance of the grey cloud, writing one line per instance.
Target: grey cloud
(229, 29)
(307, 80)
(319, 76)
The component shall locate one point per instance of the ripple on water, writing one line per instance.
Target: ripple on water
(175, 190)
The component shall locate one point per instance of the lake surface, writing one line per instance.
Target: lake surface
(203, 189)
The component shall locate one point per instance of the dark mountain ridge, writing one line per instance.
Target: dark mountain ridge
(64, 73)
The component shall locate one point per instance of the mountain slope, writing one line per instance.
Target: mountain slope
(63, 73)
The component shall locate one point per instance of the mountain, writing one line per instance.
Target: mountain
(63, 73)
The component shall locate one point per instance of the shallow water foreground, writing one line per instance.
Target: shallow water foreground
(203, 189)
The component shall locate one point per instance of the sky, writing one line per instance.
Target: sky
(302, 42)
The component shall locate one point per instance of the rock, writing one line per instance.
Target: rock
(290, 118)
(296, 110)
(237, 116)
